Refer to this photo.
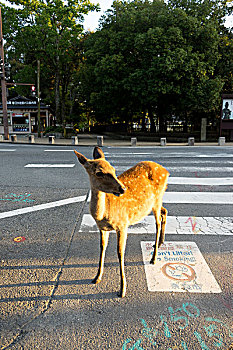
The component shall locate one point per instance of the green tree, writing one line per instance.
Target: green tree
(156, 57)
(48, 31)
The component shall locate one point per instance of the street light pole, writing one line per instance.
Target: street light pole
(3, 84)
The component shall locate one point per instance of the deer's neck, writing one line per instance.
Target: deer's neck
(97, 204)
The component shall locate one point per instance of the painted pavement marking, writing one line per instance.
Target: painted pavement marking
(126, 155)
(49, 205)
(199, 197)
(19, 239)
(49, 166)
(175, 225)
(180, 267)
(166, 162)
(186, 169)
(7, 150)
(195, 197)
(170, 155)
(212, 181)
(58, 150)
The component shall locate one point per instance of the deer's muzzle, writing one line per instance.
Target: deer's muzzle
(121, 191)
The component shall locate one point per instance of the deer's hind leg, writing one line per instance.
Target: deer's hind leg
(104, 236)
(157, 214)
(163, 224)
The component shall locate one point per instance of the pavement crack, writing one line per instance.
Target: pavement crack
(59, 273)
(178, 229)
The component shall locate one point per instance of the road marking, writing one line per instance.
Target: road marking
(175, 225)
(194, 169)
(7, 150)
(195, 197)
(125, 155)
(211, 181)
(180, 267)
(58, 150)
(198, 197)
(179, 272)
(19, 239)
(49, 166)
(166, 162)
(49, 205)
(170, 155)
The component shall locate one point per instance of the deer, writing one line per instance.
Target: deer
(118, 202)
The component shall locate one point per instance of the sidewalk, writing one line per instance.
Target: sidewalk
(91, 140)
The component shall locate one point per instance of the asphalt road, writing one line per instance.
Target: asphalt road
(50, 248)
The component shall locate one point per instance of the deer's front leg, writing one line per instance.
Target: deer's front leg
(104, 235)
(121, 243)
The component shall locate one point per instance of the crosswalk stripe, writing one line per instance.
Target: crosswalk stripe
(195, 197)
(166, 162)
(58, 150)
(186, 169)
(7, 150)
(198, 197)
(49, 166)
(170, 155)
(175, 225)
(211, 181)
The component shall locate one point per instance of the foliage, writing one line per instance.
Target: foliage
(53, 129)
(156, 57)
(160, 59)
(48, 31)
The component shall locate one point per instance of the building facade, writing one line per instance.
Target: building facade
(22, 116)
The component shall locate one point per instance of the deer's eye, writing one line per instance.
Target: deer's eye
(99, 174)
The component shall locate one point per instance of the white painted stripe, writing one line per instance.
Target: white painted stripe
(217, 155)
(188, 169)
(198, 197)
(211, 181)
(125, 155)
(195, 197)
(58, 150)
(166, 163)
(175, 225)
(7, 150)
(49, 166)
(49, 205)
(171, 155)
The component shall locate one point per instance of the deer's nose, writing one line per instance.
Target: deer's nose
(121, 190)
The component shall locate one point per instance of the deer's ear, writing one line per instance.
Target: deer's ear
(81, 158)
(98, 153)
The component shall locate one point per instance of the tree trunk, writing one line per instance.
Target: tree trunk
(152, 122)
(144, 122)
(57, 92)
(63, 116)
(185, 126)
(162, 123)
(162, 119)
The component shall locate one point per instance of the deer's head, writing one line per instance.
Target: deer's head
(102, 174)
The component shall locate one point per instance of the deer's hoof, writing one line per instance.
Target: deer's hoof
(161, 243)
(121, 294)
(153, 261)
(96, 280)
